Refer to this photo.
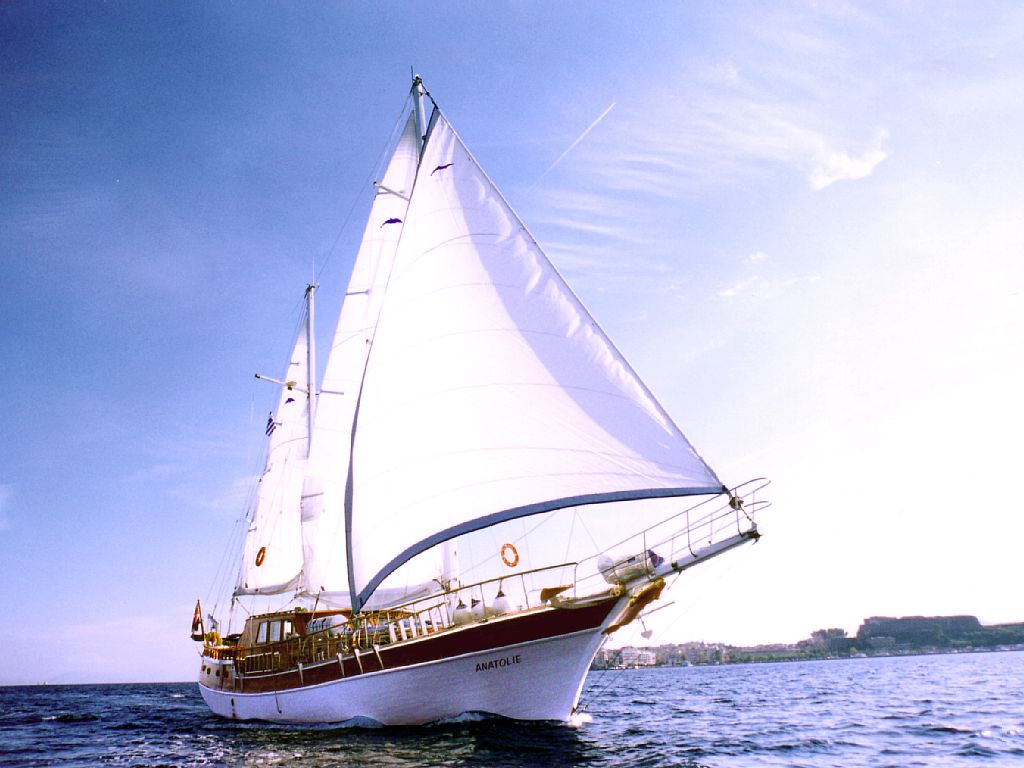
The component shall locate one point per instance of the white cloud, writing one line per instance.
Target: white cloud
(833, 165)
(154, 472)
(737, 288)
(760, 289)
(724, 73)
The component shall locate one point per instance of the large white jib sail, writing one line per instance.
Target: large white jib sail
(489, 392)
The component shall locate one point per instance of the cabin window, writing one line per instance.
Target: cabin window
(288, 629)
(261, 634)
(275, 631)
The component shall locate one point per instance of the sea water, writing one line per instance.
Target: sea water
(952, 710)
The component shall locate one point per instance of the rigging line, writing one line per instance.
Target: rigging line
(232, 552)
(600, 686)
(235, 546)
(711, 496)
(358, 198)
(572, 527)
(219, 585)
(542, 519)
(586, 530)
(732, 564)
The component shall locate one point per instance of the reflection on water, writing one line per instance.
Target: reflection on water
(472, 741)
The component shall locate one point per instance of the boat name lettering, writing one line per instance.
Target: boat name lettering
(484, 666)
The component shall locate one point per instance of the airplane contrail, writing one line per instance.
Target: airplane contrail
(579, 138)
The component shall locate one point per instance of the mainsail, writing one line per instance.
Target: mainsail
(489, 392)
(272, 553)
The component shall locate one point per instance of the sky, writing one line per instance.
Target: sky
(802, 223)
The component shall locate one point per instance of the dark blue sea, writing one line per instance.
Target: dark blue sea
(955, 710)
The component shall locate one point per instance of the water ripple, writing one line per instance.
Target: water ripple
(960, 710)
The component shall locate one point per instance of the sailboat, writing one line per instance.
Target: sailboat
(477, 493)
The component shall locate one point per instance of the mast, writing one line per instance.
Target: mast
(449, 550)
(421, 126)
(421, 120)
(310, 367)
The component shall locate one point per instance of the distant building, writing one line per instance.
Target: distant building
(881, 643)
(637, 657)
(877, 635)
(832, 642)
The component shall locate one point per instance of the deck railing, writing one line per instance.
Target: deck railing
(678, 541)
(371, 630)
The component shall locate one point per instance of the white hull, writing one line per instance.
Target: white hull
(537, 680)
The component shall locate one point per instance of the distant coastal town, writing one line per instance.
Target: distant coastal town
(877, 636)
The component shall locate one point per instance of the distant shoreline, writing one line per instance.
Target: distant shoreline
(796, 658)
(877, 636)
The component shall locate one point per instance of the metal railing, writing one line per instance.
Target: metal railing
(462, 606)
(682, 539)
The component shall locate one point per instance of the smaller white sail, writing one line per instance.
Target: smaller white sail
(272, 554)
(323, 496)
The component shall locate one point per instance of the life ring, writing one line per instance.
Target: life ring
(261, 556)
(509, 555)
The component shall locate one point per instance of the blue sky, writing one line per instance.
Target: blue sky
(801, 224)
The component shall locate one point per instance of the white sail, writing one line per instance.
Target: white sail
(323, 516)
(490, 393)
(272, 553)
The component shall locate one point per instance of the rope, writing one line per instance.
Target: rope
(599, 687)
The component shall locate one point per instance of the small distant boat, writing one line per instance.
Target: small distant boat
(407, 558)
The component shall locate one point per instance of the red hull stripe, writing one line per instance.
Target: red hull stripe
(490, 635)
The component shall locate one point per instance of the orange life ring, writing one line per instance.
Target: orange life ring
(511, 560)
(261, 555)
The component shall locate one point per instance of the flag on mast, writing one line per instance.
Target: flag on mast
(198, 629)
